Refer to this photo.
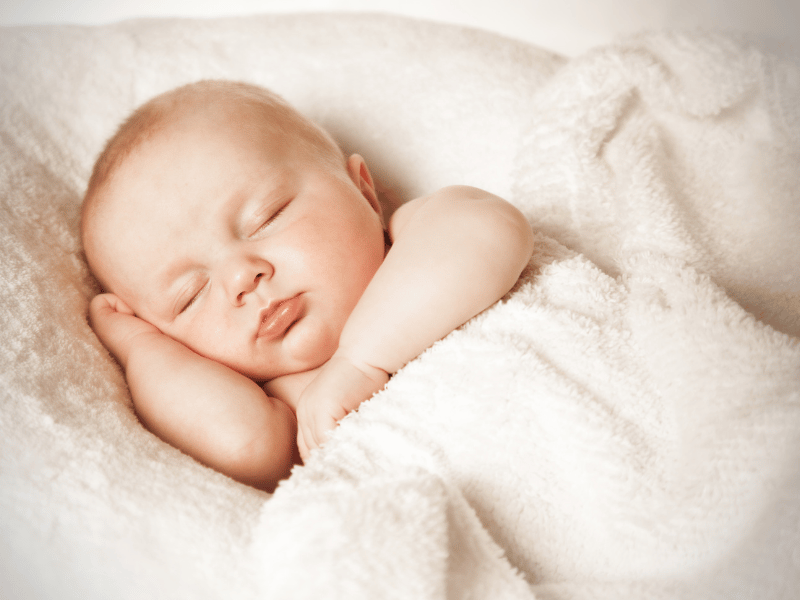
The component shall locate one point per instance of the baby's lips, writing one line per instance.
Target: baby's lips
(275, 320)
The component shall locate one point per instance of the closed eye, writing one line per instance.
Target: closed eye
(191, 300)
(272, 218)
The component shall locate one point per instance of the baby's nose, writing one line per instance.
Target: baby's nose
(247, 287)
(244, 278)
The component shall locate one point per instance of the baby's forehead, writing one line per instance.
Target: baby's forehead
(234, 114)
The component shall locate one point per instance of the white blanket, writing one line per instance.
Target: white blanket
(625, 424)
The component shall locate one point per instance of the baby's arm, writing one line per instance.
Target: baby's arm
(454, 253)
(214, 414)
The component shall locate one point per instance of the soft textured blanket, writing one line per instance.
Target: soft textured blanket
(624, 424)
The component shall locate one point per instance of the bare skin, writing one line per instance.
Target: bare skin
(231, 259)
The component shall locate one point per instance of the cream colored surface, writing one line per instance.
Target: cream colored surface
(566, 26)
(625, 425)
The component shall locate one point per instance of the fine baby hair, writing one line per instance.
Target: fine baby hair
(152, 116)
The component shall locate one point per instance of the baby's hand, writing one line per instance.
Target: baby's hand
(117, 327)
(339, 387)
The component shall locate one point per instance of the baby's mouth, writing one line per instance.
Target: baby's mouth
(277, 318)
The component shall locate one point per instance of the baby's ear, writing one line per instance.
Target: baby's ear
(359, 173)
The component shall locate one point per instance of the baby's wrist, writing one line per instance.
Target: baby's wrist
(376, 374)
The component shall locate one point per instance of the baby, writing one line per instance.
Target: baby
(254, 293)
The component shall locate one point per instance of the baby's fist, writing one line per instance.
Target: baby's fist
(116, 325)
(339, 387)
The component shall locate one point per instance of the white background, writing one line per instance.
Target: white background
(566, 26)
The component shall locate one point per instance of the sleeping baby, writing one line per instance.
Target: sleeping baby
(254, 293)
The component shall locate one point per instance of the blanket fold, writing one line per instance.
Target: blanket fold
(625, 423)
(621, 417)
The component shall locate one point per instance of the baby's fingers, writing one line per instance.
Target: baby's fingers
(106, 305)
(311, 434)
(116, 325)
(307, 440)
(301, 445)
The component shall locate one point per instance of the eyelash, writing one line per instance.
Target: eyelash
(271, 219)
(191, 301)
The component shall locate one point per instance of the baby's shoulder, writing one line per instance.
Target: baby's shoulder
(451, 195)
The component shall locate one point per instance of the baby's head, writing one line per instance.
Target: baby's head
(235, 225)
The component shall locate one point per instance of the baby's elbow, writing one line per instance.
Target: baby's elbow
(519, 235)
(507, 237)
(259, 464)
(263, 461)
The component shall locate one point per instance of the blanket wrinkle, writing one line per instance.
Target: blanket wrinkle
(663, 153)
(625, 423)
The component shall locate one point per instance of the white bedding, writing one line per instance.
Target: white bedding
(625, 424)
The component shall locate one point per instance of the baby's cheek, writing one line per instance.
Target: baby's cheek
(211, 342)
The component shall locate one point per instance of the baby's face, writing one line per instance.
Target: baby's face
(238, 243)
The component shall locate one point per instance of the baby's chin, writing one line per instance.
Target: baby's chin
(306, 354)
(305, 347)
